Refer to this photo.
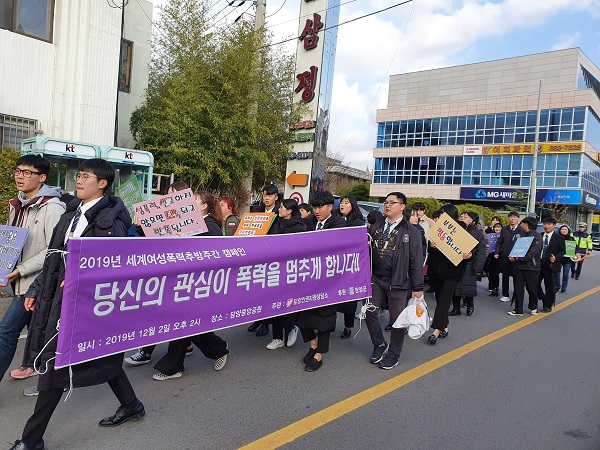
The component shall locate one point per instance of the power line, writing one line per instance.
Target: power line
(309, 15)
(282, 5)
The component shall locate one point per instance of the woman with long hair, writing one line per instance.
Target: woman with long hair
(444, 277)
(493, 265)
(351, 214)
(230, 216)
(285, 331)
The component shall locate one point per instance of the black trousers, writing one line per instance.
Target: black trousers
(576, 269)
(308, 334)
(211, 346)
(526, 279)
(444, 292)
(507, 269)
(547, 278)
(282, 325)
(47, 401)
(493, 273)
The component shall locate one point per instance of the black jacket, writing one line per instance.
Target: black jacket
(356, 222)
(531, 260)
(214, 228)
(506, 240)
(295, 224)
(556, 247)
(108, 218)
(407, 256)
(442, 268)
(468, 284)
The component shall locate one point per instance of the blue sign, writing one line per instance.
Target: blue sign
(590, 200)
(499, 194)
(564, 196)
(521, 246)
(490, 194)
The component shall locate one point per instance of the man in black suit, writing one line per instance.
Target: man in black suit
(553, 250)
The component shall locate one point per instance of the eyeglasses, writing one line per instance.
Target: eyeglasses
(84, 176)
(25, 173)
(390, 203)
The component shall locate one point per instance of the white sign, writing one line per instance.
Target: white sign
(66, 148)
(473, 150)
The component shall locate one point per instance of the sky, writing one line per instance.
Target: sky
(421, 35)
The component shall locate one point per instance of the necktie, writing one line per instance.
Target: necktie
(545, 247)
(76, 218)
(386, 231)
(319, 226)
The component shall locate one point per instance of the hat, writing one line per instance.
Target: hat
(582, 224)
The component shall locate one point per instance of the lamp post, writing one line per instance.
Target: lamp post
(533, 184)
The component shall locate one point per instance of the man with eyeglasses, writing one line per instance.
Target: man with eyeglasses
(397, 256)
(92, 214)
(38, 208)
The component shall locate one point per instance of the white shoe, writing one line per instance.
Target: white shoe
(161, 376)
(275, 343)
(220, 363)
(534, 312)
(504, 299)
(292, 336)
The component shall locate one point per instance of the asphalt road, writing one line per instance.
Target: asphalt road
(534, 387)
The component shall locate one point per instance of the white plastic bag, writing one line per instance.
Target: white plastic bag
(415, 318)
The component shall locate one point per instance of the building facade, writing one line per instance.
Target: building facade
(467, 133)
(71, 71)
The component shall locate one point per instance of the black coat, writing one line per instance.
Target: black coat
(294, 224)
(323, 317)
(214, 228)
(441, 268)
(532, 259)
(108, 218)
(506, 240)
(356, 222)
(556, 247)
(468, 283)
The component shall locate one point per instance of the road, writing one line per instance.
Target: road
(496, 382)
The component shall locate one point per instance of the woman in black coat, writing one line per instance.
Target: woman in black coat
(467, 287)
(444, 277)
(353, 217)
(285, 331)
(211, 345)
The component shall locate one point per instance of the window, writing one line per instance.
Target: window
(33, 18)
(14, 129)
(125, 67)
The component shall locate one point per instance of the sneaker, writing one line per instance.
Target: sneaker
(534, 312)
(514, 313)
(220, 363)
(378, 352)
(161, 376)
(139, 358)
(23, 372)
(292, 336)
(274, 344)
(504, 299)
(31, 391)
(189, 351)
(563, 292)
(389, 362)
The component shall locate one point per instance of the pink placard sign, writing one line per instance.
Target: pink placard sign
(174, 214)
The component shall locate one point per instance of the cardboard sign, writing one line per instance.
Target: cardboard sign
(451, 238)
(255, 224)
(174, 214)
(570, 248)
(521, 246)
(130, 193)
(12, 240)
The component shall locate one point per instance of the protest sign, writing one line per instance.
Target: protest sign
(520, 247)
(255, 224)
(12, 240)
(122, 294)
(570, 248)
(451, 238)
(130, 193)
(174, 214)
(492, 239)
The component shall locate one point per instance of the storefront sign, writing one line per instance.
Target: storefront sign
(473, 150)
(527, 149)
(494, 194)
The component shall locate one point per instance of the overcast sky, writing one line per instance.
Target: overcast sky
(424, 34)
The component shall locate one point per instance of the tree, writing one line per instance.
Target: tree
(8, 190)
(218, 101)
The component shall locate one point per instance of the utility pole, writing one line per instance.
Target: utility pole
(261, 11)
(533, 185)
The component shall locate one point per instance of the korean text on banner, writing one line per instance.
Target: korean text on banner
(174, 214)
(130, 193)
(12, 240)
(122, 294)
(492, 239)
(451, 238)
(520, 247)
(255, 224)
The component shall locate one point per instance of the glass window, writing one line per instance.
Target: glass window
(554, 117)
(471, 122)
(500, 119)
(125, 66)
(517, 162)
(573, 182)
(462, 123)
(452, 123)
(458, 162)
(521, 119)
(480, 122)
(567, 116)
(577, 135)
(527, 163)
(29, 17)
(468, 162)
(510, 120)
(411, 126)
(579, 115)
(531, 118)
(525, 181)
(486, 163)
(489, 121)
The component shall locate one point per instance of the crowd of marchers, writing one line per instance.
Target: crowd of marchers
(401, 258)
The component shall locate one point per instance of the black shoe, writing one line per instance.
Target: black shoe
(494, 293)
(443, 334)
(557, 290)
(388, 327)
(389, 362)
(19, 445)
(470, 306)
(432, 339)
(572, 275)
(454, 312)
(309, 355)
(262, 330)
(252, 328)
(577, 278)
(313, 365)
(547, 310)
(122, 416)
(346, 333)
(378, 352)
(463, 303)
(470, 310)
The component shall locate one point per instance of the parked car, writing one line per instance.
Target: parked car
(596, 240)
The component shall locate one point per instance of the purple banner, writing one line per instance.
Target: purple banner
(12, 240)
(125, 293)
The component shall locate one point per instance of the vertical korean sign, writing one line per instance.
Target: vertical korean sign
(315, 61)
(122, 294)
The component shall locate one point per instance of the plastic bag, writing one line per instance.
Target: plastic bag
(415, 318)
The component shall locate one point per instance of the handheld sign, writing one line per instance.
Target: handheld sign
(450, 238)
(521, 246)
(130, 193)
(12, 240)
(174, 214)
(492, 239)
(255, 224)
(570, 248)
